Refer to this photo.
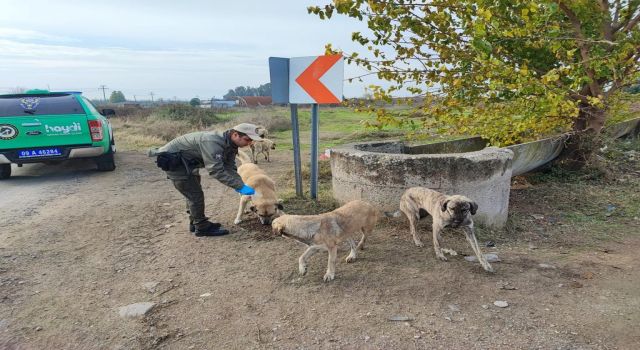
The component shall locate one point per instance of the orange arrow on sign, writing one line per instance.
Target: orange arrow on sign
(309, 80)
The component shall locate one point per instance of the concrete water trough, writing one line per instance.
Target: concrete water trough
(379, 172)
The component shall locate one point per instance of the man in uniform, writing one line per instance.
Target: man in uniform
(215, 151)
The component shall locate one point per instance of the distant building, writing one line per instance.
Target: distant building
(223, 103)
(217, 103)
(254, 101)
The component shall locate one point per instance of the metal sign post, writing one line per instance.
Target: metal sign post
(295, 134)
(314, 151)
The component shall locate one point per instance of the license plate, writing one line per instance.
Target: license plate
(40, 153)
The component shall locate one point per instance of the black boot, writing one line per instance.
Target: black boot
(192, 227)
(210, 230)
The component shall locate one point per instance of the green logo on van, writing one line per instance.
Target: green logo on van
(72, 129)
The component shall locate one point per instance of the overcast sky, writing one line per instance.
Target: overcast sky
(175, 49)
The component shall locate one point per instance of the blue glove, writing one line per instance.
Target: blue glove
(246, 190)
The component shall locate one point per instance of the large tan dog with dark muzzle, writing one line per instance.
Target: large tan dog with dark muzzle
(264, 203)
(446, 211)
(326, 231)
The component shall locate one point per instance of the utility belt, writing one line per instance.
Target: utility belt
(173, 161)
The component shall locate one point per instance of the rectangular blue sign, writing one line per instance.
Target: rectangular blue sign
(279, 72)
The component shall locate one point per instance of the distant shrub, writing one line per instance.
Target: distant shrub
(129, 111)
(195, 116)
(273, 123)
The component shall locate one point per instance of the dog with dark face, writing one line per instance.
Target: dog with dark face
(446, 211)
(264, 203)
(326, 231)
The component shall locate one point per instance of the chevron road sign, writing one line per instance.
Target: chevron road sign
(311, 80)
(316, 79)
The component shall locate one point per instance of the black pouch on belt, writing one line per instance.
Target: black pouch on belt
(169, 161)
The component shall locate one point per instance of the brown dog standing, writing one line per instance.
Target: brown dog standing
(326, 231)
(446, 211)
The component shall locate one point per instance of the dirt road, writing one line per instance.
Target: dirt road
(76, 245)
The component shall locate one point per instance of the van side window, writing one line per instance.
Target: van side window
(92, 108)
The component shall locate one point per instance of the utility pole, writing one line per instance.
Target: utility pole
(134, 98)
(104, 94)
(151, 93)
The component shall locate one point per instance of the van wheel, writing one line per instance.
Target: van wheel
(5, 171)
(106, 162)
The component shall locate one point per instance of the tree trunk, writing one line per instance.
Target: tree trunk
(580, 146)
(590, 118)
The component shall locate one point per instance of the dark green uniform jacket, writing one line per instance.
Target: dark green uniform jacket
(212, 150)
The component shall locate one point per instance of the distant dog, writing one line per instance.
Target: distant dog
(264, 203)
(262, 146)
(326, 231)
(446, 211)
(262, 131)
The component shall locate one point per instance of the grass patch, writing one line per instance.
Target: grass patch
(598, 203)
(337, 126)
(133, 134)
(304, 206)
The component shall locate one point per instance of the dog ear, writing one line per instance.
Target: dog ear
(280, 206)
(473, 207)
(443, 207)
(273, 146)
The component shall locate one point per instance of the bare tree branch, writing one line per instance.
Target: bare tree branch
(630, 21)
(616, 13)
(631, 24)
(607, 30)
(584, 48)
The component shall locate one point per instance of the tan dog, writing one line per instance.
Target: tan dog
(262, 146)
(265, 202)
(326, 231)
(262, 131)
(446, 211)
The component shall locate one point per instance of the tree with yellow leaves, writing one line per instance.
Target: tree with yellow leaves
(508, 70)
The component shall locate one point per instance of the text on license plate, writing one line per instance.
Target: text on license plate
(35, 153)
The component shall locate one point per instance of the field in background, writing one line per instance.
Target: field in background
(144, 128)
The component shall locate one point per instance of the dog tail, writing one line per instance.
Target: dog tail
(244, 158)
(392, 214)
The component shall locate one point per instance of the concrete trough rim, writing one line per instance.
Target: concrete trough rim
(351, 150)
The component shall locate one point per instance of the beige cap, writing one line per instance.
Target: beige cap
(250, 130)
